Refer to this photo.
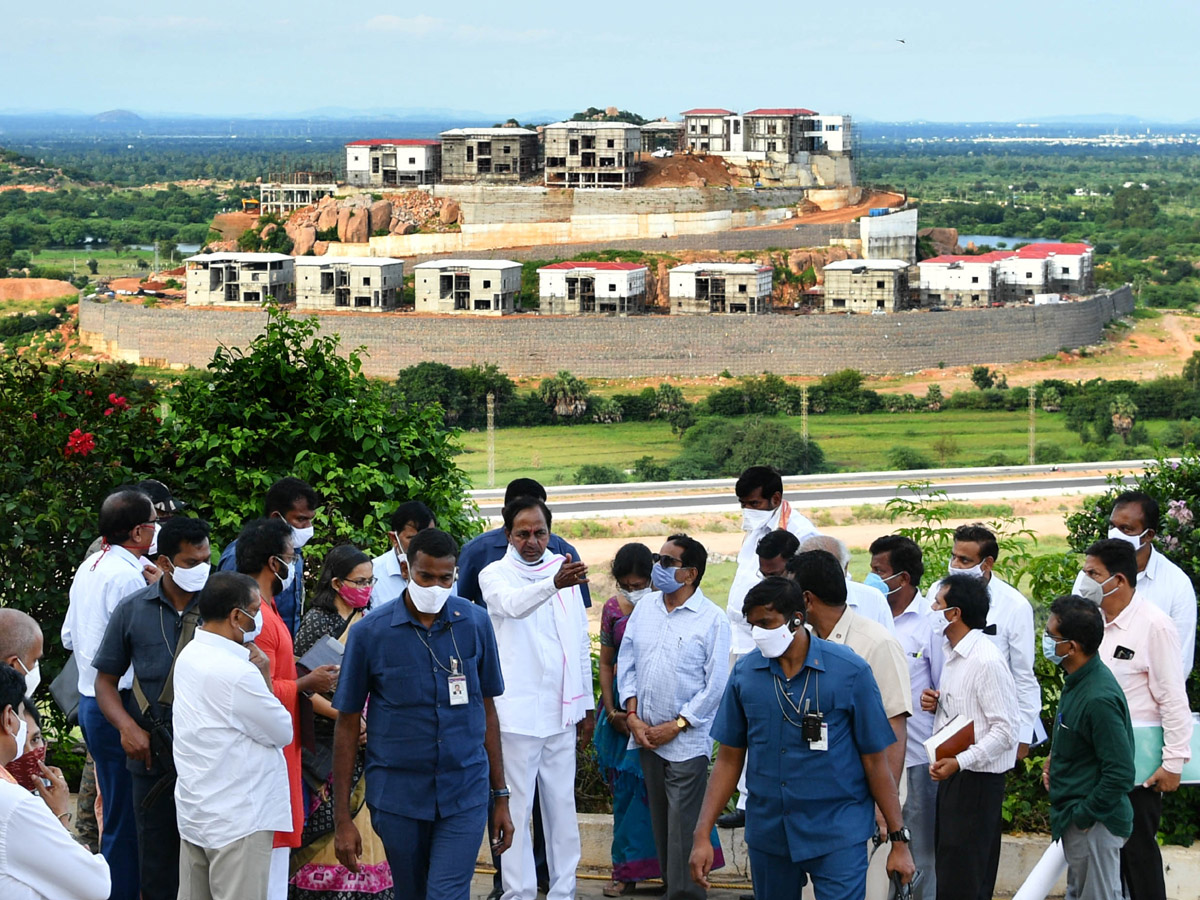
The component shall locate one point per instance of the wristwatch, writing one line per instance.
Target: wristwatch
(497, 793)
(903, 836)
(681, 723)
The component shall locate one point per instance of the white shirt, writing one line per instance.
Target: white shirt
(976, 683)
(531, 652)
(103, 580)
(1012, 616)
(39, 860)
(747, 577)
(923, 652)
(230, 731)
(1167, 586)
(869, 603)
(389, 584)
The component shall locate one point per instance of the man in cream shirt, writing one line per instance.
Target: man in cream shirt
(232, 794)
(536, 608)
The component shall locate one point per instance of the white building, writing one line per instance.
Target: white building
(348, 282)
(591, 154)
(711, 130)
(572, 288)
(1068, 266)
(388, 162)
(720, 287)
(959, 280)
(1019, 277)
(480, 286)
(830, 134)
(227, 279)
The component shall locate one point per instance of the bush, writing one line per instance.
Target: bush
(901, 457)
(599, 474)
(646, 469)
(637, 407)
(727, 448)
(1047, 452)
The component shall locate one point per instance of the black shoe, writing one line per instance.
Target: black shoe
(543, 887)
(496, 894)
(735, 819)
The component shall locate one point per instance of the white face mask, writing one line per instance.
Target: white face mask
(153, 551)
(193, 579)
(248, 636)
(33, 677)
(634, 596)
(1135, 540)
(1089, 589)
(772, 642)
(753, 519)
(976, 571)
(22, 734)
(940, 622)
(428, 600)
(286, 580)
(301, 536)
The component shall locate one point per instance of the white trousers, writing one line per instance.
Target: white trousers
(277, 882)
(549, 764)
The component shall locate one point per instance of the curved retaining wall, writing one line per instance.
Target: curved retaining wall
(599, 346)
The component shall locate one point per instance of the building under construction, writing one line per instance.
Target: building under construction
(488, 155)
(592, 154)
(285, 192)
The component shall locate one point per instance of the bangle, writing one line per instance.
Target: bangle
(497, 793)
(66, 816)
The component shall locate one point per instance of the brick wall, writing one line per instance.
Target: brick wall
(601, 346)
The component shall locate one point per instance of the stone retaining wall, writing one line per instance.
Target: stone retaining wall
(601, 346)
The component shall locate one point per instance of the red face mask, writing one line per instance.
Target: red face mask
(25, 768)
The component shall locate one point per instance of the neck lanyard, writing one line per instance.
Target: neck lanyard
(781, 696)
(453, 670)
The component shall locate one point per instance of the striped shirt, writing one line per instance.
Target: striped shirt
(676, 664)
(977, 684)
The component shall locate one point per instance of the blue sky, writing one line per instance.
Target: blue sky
(962, 61)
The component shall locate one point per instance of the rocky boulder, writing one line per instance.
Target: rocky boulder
(944, 240)
(303, 237)
(320, 248)
(380, 216)
(269, 229)
(356, 227)
(404, 228)
(451, 212)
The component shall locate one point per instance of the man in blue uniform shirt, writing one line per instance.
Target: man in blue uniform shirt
(806, 717)
(429, 664)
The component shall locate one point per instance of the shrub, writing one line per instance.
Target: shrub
(901, 457)
(599, 474)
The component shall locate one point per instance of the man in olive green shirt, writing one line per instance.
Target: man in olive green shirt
(1089, 772)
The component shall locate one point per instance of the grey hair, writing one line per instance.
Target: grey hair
(829, 544)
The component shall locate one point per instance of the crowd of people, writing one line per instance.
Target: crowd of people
(249, 741)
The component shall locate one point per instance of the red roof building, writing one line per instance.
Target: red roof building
(598, 266)
(708, 112)
(781, 112)
(395, 142)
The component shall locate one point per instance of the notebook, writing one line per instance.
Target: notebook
(952, 739)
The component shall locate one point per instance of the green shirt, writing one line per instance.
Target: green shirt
(1091, 759)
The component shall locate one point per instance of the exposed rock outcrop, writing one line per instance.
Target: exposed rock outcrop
(380, 215)
(944, 240)
(450, 212)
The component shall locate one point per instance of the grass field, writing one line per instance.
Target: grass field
(851, 442)
(111, 264)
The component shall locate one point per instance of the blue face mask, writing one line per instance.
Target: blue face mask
(664, 579)
(1049, 645)
(875, 581)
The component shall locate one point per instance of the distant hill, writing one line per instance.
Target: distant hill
(117, 117)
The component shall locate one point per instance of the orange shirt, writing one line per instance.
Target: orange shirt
(276, 642)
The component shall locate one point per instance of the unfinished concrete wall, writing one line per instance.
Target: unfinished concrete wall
(893, 236)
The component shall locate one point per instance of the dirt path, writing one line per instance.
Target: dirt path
(35, 289)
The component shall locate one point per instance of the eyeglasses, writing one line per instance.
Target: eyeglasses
(667, 562)
(363, 582)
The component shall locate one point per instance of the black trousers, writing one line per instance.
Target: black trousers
(158, 838)
(1141, 860)
(967, 835)
(539, 844)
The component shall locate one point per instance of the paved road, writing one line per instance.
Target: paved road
(816, 497)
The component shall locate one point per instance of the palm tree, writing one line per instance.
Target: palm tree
(565, 394)
(1123, 410)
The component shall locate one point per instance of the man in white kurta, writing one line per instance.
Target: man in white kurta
(538, 615)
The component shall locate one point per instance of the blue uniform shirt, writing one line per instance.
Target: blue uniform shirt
(289, 603)
(480, 552)
(425, 758)
(818, 801)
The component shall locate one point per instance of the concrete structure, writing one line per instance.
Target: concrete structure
(662, 135)
(779, 135)
(1019, 278)
(591, 154)
(890, 236)
(717, 287)
(710, 130)
(630, 346)
(1068, 266)
(348, 282)
(234, 279)
(495, 155)
(867, 285)
(959, 281)
(285, 192)
(387, 162)
(571, 288)
(482, 286)
(830, 134)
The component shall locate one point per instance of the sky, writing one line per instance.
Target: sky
(961, 61)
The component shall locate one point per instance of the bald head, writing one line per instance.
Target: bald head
(122, 512)
(829, 544)
(20, 639)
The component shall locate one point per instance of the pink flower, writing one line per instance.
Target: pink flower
(1179, 511)
(109, 411)
(1170, 543)
(81, 442)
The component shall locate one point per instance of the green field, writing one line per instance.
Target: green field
(111, 264)
(554, 453)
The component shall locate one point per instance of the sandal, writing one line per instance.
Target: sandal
(618, 888)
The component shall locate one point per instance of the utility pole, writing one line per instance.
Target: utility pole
(1032, 425)
(804, 412)
(491, 440)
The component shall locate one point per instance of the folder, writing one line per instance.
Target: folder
(952, 739)
(1147, 752)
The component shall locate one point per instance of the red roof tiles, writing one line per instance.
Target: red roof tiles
(707, 112)
(394, 142)
(781, 112)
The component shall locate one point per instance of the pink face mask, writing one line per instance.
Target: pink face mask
(356, 595)
(25, 768)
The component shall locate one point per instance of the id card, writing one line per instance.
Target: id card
(823, 743)
(458, 690)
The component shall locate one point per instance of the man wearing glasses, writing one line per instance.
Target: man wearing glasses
(106, 577)
(671, 673)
